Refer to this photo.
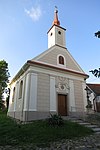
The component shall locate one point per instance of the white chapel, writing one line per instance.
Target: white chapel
(53, 82)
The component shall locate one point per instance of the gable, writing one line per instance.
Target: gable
(51, 57)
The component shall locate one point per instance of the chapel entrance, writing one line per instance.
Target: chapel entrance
(62, 105)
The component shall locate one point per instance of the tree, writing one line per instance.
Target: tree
(8, 97)
(97, 34)
(96, 72)
(4, 76)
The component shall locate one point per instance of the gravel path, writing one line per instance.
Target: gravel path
(91, 142)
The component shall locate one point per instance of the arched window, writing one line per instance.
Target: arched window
(21, 89)
(61, 60)
(13, 97)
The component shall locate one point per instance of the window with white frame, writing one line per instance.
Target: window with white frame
(61, 61)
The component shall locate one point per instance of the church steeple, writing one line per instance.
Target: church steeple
(56, 21)
(56, 34)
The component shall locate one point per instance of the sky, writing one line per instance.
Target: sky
(24, 25)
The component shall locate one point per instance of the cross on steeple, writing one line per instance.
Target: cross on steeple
(56, 34)
(56, 21)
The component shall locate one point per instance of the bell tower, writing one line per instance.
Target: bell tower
(56, 34)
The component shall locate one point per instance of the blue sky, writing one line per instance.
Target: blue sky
(24, 25)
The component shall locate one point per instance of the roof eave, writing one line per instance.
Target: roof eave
(54, 67)
(20, 72)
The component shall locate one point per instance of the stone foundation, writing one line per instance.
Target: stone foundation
(29, 115)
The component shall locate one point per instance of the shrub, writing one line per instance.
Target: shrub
(55, 120)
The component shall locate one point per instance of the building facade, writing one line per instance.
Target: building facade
(52, 82)
(94, 96)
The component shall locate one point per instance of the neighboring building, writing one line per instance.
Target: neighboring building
(95, 95)
(52, 82)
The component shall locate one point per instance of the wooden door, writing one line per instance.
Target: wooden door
(62, 105)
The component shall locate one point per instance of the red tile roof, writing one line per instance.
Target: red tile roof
(95, 88)
(58, 68)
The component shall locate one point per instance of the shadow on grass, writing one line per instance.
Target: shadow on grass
(38, 132)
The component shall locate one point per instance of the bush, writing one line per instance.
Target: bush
(55, 120)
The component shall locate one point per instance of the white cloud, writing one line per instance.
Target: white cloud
(34, 13)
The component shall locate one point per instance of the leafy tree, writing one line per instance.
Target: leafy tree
(8, 97)
(4, 75)
(96, 72)
(97, 34)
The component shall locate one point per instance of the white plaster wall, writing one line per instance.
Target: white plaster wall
(60, 38)
(16, 96)
(43, 92)
(84, 95)
(27, 89)
(56, 38)
(50, 57)
(54, 73)
(11, 104)
(33, 92)
(18, 103)
(53, 105)
(51, 39)
(71, 96)
(10, 101)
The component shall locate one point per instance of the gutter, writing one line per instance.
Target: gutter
(21, 71)
(58, 68)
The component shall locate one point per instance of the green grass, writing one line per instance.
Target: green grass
(37, 132)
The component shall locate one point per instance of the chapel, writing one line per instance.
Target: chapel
(53, 82)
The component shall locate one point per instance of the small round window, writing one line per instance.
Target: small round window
(59, 32)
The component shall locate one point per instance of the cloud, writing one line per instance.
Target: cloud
(34, 13)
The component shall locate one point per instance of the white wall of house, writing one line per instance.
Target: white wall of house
(55, 38)
(11, 103)
(72, 106)
(53, 103)
(33, 92)
(35, 79)
(84, 95)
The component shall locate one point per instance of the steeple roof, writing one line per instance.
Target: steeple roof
(56, 21)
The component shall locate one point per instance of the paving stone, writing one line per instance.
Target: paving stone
(84, 123)
(97, 132)
(77, 121)
(91, 126)
(97, 145)
(96, 129)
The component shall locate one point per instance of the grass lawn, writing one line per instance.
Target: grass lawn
(37, 133)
